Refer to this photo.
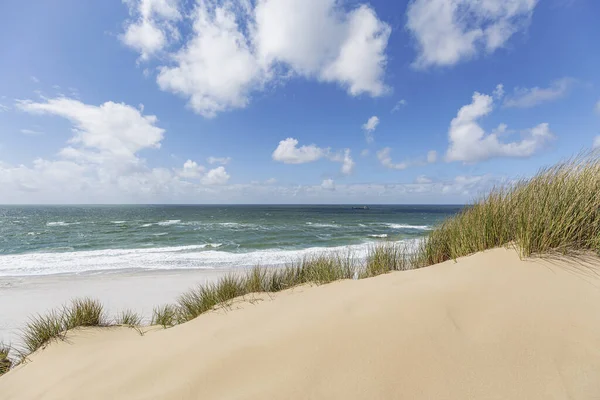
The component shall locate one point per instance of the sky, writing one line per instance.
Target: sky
(291, 101)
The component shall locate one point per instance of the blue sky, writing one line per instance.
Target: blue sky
(291, 101)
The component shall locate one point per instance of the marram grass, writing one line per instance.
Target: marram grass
(5, 362)
(556, 210)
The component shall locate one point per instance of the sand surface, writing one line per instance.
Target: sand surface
(487, 327)
(22, 297)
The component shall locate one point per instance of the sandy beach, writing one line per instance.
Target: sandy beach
(23, 297)
(488, 326)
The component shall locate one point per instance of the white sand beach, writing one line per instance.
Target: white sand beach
(488, 326)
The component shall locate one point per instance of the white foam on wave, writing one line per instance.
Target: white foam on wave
(320, 225)
(164, 258)
(61, 223)
(383, 235)
(118, 222)
(169, 222)
(405, 226)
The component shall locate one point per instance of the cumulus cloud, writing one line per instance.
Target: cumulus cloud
(369, 127)
(237, 48)
(447, 32)
(346, 160)
(219, 160)
(152, 25)
(288, 152)
(328, 184)
(191, 169)
(217, 176)
(101, 161)
(470, 143)
(530, 97)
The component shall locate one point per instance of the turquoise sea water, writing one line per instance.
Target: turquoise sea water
(43, 240)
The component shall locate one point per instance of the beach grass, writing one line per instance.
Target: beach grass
(5, 361)
(165, 315)
(558, 210)
(84, 312)
(128, 318)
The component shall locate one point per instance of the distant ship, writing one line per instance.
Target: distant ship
(360, 208)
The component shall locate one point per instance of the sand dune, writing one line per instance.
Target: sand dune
(487, 327)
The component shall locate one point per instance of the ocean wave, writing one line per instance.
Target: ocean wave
(405, 226)
(160, 234)
(168, 222)
(118, 222)
(61, 223)
(320, 225)
(201, 256)
(147, 225)
(383, 235)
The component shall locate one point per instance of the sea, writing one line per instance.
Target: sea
(50, 240)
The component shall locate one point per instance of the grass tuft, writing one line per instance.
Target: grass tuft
(85, 312)
(41, 329)
(129, 318)
(5, 362)
(165, 315)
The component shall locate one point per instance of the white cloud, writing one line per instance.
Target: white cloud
(401, 103)
(4, 108)
(369, 127)
(422, 179)
(152, 27)
(34, 79)
(470, 143)
(112, 132)
(431, 156)
(385, 159)
(271, 181)
(219, 160)
(364, 153)
(525, 98)
(236, 48)
(30, 132)
(499, 91)
(328, 184)
(449, 31)
(101, 161)
(597, 107)
(191, 169)
(596, 142)
(288, 152)
(217, 176)
(347, 163)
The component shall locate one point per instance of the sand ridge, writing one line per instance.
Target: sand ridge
(488, 326)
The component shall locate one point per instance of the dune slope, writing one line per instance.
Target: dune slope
(488, 326)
